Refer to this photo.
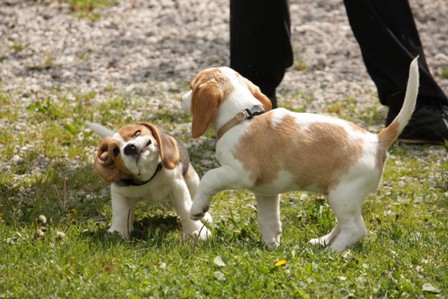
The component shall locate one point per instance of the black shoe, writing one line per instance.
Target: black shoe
(428, 125)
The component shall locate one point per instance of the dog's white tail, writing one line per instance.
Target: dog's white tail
(388, 135)
(100, 129)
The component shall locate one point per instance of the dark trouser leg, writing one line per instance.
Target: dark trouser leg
(260, 47)
(389, 40)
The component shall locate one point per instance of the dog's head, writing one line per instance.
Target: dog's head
(213, 87)
(134, 152)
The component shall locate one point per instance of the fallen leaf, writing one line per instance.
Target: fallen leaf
(219, 262)
(219, 276)
(427, 287)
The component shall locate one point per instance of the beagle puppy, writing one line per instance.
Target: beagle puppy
(142, 162)
(271, 152)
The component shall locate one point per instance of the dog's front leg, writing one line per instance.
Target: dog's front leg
(268, 216)
(122, 214)
(212, 182)
(182, 202)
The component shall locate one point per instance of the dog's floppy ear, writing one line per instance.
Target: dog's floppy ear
(169, 152)
(108, 162)
(104, 164)
(256, 92)
(204, 106)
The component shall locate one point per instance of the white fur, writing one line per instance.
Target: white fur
(99, 129)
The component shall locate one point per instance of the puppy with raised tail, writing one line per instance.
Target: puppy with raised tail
(144, 163)
(271, 152)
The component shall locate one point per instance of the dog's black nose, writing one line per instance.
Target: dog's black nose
(130, 149)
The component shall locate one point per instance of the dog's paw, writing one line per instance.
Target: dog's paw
(123, 233)
(203, 233)
(319, 242)
(272, 245)
(207, 219)
(198, 213)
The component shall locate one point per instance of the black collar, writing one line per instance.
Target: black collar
(133, 182)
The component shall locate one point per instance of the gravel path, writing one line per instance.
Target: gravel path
(43, 46)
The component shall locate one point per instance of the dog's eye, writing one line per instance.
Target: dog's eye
(116, 151)
(137, 133)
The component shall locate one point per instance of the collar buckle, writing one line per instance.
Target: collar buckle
(254, 111)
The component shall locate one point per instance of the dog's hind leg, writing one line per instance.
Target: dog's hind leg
(328, 238)
(347, 209)
(268, 216)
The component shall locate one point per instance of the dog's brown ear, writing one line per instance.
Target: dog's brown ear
(204, 106)
(256, 92)
(115, 154)
(169, 152)
(104, 164)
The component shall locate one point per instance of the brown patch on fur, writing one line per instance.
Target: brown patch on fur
(381, 157)
(388, 135)
(210, 88)
(317, 155)
(189, 174)
(256, 92)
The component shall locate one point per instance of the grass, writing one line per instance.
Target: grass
(89, 8)
(46, 153)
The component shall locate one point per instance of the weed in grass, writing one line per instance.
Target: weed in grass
(45, 107)
(292, 101)
(371, 116)
(83, 56)
(86, 8)
(343, 106)
(299, 64)
(44, 66)
(17, 47)
(444, 73)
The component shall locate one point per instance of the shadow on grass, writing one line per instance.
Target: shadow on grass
(150, 228)
(58, 193)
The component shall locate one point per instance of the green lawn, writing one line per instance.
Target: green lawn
(45, 157)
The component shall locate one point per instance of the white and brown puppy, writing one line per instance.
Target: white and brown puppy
(278, 151)
(143, 163)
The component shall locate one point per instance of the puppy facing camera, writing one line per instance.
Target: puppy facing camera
(142, 162)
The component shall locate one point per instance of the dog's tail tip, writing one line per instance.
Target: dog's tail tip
(100, 129)
(389, 134)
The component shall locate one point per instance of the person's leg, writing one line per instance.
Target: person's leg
(389, 40)
(260, 47)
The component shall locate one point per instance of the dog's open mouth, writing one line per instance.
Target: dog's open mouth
(140, 153)
(146, 146)
(144, 149)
